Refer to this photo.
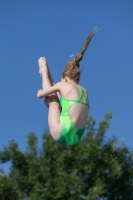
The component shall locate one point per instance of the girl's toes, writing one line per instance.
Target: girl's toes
(42, 60)
(42, 65)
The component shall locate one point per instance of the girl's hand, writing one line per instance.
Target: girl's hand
(50, 99)
(47, 101)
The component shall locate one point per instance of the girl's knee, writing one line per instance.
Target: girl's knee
(56, 132)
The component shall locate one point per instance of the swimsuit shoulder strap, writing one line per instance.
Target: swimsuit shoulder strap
(82, 96)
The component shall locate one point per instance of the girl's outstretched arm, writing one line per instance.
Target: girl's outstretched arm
(53, 89)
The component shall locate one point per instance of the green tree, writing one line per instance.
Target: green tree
(93, 169)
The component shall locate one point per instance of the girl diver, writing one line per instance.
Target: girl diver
(67, 100)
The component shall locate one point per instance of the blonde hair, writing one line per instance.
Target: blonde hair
(72, 68)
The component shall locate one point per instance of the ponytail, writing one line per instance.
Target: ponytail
(79, 56)
(72, 69)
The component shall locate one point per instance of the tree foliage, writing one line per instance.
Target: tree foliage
(93, 169)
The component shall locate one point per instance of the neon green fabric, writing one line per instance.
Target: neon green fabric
(70, 134)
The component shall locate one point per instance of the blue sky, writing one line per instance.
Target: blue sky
(56, 30)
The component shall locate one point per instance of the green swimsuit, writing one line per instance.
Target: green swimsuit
(70, 134)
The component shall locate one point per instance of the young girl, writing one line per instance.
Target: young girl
(67, 100)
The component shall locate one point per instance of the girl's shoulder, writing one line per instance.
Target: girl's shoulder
(80, 87)
(64, 84)
(65, 88)
(71, 85)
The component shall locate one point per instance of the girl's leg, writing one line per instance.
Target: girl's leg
(52, 81)
(42, 61)
(44, 73)
(54, 107)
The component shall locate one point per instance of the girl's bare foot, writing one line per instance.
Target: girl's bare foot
(42, 65)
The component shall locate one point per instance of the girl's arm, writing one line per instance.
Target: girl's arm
(53, 89)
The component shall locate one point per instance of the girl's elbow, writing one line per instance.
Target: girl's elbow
(39, 94)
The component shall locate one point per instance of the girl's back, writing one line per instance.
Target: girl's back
(78, 97)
